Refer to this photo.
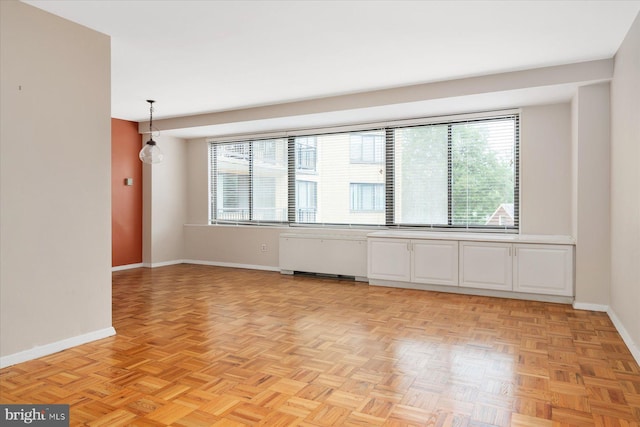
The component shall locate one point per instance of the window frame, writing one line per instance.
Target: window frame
(366, 139)
(361, 186)
(247, 156)
(306, 211)
(303, 159)
(391, 165)
(390, 187)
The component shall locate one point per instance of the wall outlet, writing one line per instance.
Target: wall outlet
(263, 247)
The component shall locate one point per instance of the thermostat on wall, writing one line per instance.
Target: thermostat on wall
(128, 181)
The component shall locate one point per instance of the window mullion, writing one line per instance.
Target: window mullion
(291, 179)
(214, 183)
(251, 151)
(449, 175)
(516, 167)
(389, 178)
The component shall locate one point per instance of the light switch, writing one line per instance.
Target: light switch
(128, 181)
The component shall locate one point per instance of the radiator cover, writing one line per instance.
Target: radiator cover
(334, 254)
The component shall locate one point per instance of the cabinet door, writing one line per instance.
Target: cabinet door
(434, 262)
(543, 269)
(389, 259)
(486, 265)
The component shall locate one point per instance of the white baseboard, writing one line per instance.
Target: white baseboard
(590, 307)
(55, 347)
(163, 263)
(127, 267)
(633, 347)
(231, 265)
(213, 263)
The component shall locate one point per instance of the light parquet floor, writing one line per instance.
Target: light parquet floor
(200, 346)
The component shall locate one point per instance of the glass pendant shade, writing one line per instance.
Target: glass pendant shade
(151, 153)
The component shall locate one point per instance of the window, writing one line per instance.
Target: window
(233, 196)
(265, 151)
(333, 174)
(366, 147)
(458, 173)
(306, 201)
(234, 151)
(455, 174)
(483, 170)
(367, 197)
(249, 180)
(420, 175)
(306, 154)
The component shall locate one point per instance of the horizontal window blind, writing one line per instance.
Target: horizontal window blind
(483, 173)
(450, 174)
(460, 174)
(249, 181)
(421, 175)
(327, 166)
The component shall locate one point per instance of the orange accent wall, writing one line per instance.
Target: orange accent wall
(126, 201)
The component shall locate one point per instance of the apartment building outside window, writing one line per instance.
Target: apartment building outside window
(306, 201)
(305, 153)
(366, 148)
(449, 174)
(367, 197)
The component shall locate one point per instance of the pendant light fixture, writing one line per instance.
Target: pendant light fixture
(151, 153)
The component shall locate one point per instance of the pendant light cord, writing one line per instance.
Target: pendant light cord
(151, 120)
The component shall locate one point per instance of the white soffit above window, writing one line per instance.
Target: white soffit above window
(421, 109)
(197, 57)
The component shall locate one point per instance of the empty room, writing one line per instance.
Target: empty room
(320, 213)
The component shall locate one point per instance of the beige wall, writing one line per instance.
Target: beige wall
(234, 246)
(625, 188)
(198, 182)
(55, 190)
(165, 203)
(591, 215)
(545, 170)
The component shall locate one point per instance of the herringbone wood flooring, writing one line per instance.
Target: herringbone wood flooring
(199, 346)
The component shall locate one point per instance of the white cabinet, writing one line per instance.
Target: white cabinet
(434, 262)
(518, 267)
(486, 265)
(419, 261)
(530, 267)
(389, 259)
(543, 269)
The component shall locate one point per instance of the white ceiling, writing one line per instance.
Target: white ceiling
(205, 56)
